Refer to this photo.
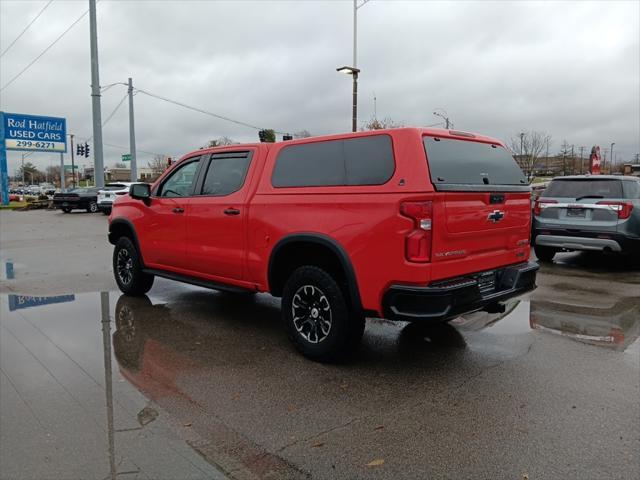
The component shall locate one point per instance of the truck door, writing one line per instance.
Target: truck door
(217, 217)
(163, 240)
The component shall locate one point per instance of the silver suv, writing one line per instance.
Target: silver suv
(587, 212)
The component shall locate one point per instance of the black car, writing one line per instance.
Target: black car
(77, 198)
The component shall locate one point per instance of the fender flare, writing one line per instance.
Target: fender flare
(335, 247)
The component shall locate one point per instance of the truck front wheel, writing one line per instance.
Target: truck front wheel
(127, 269)
(317, 317)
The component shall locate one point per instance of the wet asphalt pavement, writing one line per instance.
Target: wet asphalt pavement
(191, 383)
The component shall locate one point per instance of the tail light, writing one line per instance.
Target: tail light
(418, 241)
(540, 204)
(623, 208)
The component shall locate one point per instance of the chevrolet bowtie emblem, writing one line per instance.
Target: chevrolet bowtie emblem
(495, 216)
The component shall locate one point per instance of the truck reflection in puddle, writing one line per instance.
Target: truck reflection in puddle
(617, 326)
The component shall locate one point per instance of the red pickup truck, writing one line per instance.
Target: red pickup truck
(407, 224)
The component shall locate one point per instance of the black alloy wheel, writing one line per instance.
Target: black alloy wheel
(318, 317)
(128, 269)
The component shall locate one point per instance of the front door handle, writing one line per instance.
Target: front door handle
(178, 210)
(232, 211)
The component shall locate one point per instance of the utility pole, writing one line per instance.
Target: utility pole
(581, 161)
(132, 136)
(546, 159)
(73, 164)
(95, 98)
(573, 162)
(23, 169)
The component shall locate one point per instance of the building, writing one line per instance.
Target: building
(124, 174)
(631, 169)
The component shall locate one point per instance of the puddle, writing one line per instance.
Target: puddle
(617, 326)
(66, 411)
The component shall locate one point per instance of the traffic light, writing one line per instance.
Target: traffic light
(262, 135)
(86, 150)
(80, 150)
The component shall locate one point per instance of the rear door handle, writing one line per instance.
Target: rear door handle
(232, 211)
(178, 210)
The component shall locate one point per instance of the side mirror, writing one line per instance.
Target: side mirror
(140, 191)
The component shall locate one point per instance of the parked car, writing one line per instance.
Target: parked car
(33, 190)
(587, 212)
(109, 193)
(407, 224)
(77, 198)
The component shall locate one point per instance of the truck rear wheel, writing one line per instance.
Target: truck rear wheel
(127, 269)
(317, 316)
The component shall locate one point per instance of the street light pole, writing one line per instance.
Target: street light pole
(95, 98)
(354, 115)
(611, 157)
(445, 116)
(353, 72)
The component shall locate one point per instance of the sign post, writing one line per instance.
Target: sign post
(4, 169)
(30, 133)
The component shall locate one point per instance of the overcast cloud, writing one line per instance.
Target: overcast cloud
(571, 69)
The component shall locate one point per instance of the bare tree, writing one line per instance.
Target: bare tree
(220, 142)
(157, 165)
(528, 147)
(53, 173)
(375, 124)
(302, 134)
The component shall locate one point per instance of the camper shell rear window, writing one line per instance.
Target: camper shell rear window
(470, 165)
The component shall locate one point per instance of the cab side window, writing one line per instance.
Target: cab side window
(180, 183)
(226, 173)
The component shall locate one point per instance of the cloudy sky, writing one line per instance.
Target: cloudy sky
(571, 68)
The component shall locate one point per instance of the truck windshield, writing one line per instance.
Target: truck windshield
(464, 162)
(585, 188)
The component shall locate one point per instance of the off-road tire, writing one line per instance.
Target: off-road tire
(346, 328)
(545, 254)
(127, 269)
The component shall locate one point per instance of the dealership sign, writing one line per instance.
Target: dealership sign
(17, 302)
(34, 133)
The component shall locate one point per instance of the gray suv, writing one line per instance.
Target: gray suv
(587, 212)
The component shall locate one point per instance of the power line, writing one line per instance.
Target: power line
(44, 51)
(25, 29)
(196, 109)
(126, 149)
(115, 109)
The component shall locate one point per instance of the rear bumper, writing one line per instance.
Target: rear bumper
(453, 297)
(597, 241)
(69, 204)
(105, 206)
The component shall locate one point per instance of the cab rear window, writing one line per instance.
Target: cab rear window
(587, 187)
(464, 162)
(352, 161)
